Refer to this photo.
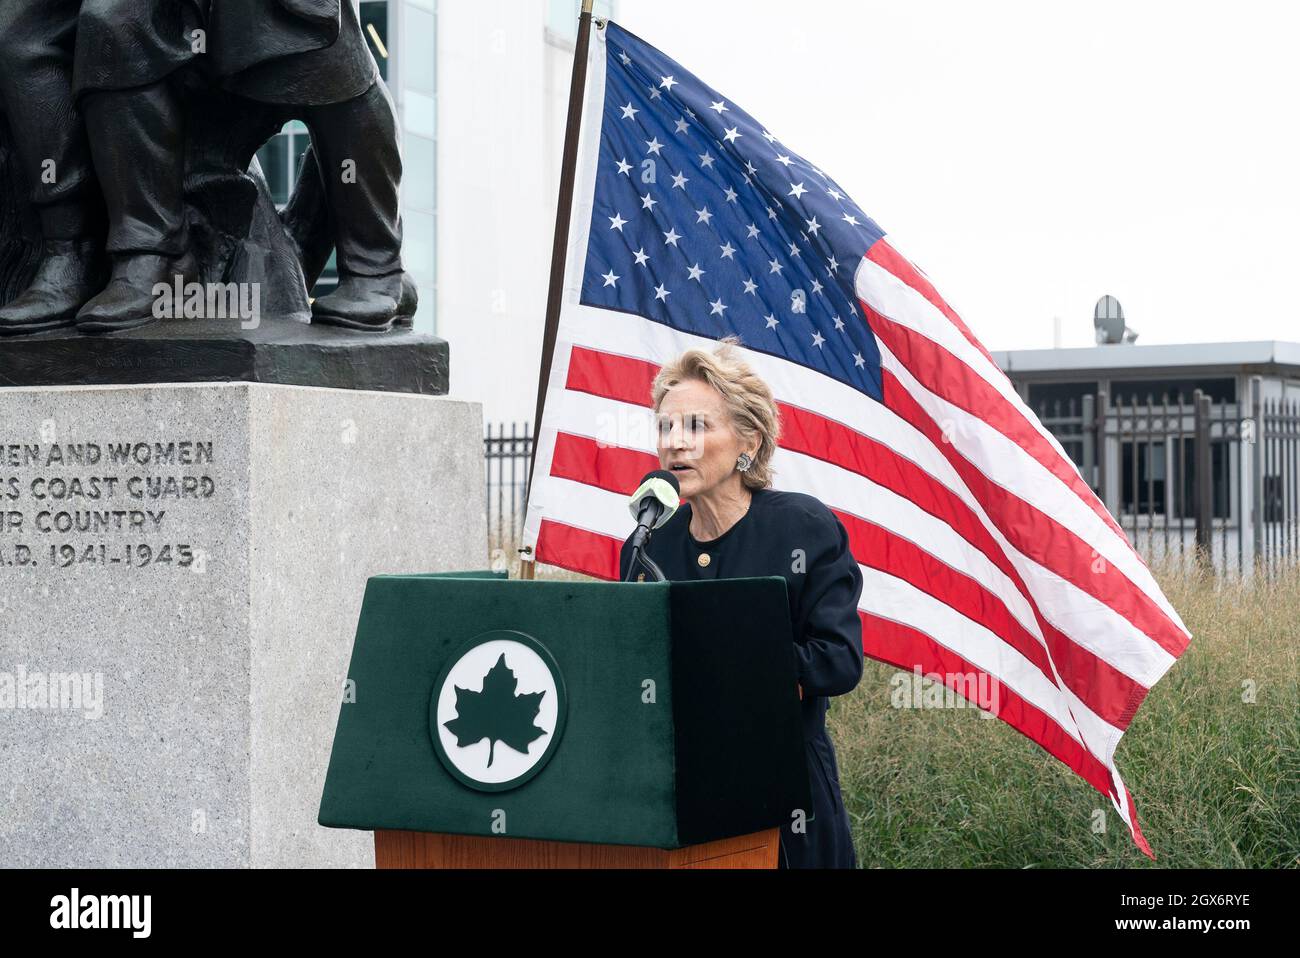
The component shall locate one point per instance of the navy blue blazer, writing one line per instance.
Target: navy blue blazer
(797, 537)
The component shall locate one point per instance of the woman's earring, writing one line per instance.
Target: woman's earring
(744, 462)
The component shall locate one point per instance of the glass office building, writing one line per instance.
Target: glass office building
(402, 35)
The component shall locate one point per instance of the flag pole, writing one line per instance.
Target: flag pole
(560, 247)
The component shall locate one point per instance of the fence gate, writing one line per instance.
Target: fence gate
(1188, 478)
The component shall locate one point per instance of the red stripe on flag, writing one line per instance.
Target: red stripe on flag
(613, 377)
(876, 547)
(1138, 837)
(894, 262)
(816, 436)
(813, 435)
(951, 379)
(611, 468)
(1107, 692)
(578, 550)
(1042, 538)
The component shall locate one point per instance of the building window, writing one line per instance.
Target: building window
(417, 76)
(1274, 499)
(281, 158)
(1139, 391)
(1045, 397)
(374, 24)
(1145, 489)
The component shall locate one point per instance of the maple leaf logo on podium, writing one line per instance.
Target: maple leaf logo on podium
(478, 696)
(498, 713)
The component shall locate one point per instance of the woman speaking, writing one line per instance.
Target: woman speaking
(717, 431)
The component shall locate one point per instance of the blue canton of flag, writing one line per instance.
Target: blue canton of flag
(705, 222)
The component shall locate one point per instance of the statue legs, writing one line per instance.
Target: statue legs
(138, 141)
(356, 145)
(36, 49)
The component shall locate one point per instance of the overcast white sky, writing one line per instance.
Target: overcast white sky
(1032, 156)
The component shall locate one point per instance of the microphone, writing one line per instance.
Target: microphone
(654, 503)
(656, 499)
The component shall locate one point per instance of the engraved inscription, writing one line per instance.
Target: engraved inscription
(65, 505)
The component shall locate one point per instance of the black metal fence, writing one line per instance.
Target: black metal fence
(1187, 478)
(506, 454)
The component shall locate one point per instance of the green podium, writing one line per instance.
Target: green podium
(489, 722)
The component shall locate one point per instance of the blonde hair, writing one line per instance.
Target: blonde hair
(748, 397)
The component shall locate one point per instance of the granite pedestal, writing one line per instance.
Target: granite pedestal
(181, 569)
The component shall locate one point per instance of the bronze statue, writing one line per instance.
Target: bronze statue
(143, 177)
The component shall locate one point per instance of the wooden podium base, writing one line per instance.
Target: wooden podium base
(397, 849)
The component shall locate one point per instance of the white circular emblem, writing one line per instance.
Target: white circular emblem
(497, 712)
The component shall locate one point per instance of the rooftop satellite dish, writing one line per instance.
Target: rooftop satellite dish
(1108, 321)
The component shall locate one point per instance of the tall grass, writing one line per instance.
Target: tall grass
(1216, 778)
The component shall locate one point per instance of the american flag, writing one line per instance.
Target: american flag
(984, 554)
